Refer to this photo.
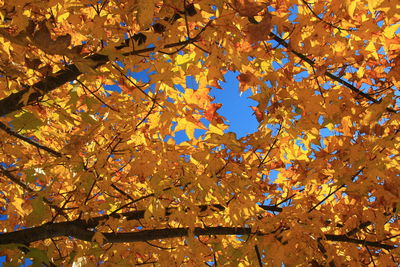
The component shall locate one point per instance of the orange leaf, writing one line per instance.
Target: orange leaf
(211, 112)
(258, 113)
(246, 80)
(247, 8)
(259, 32)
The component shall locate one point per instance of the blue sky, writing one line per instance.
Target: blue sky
(236, 108)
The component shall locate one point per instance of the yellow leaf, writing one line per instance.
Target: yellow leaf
(188, 126)
(371, 48)
(18, 202)
(215, 129)
(351, 7)
(390, 31)
(373, 4)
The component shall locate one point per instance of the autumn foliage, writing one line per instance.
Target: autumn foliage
(90, 172)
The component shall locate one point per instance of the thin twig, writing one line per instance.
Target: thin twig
(327, 73)
(28, 140)
(93, 94)
(322, 20)
(260, 263)
(271, 147)
(372, 257)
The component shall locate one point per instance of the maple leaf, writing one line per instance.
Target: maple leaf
(96, 98)
(260, 31)
(211, 112)
(42, 39)
(247, 8)
(246, 80)
(259, 114)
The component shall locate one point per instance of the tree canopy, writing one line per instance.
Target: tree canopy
(90, 171)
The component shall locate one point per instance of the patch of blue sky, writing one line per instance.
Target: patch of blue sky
(151, 88)
(327, 85)
(312, 155)
(324, 132)
(397, 31)
(120, 64)
(276, 65)
(113, 88)
(205, 122)
(301, 75)
(315, 147)
(180, 88)
(191, 83)
(4, 165)
(142, 76)
(180, 137)
(27, 262)
(321, 120)
(299, 143)
(293, 13)
(272, 175)
(274, 128)
(236, 107)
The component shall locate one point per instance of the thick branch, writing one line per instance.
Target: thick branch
(139, 214)
(344, 238)
(14, 179)
(14, 101)
(78, 231)
(75, 230)
(326, 73)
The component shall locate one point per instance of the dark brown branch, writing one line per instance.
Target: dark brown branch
(334, 191)
(371, 256)
(14, 179)
(359, 228)
(17, 181)
(77, 230)
(343, 238)
(14, 101)
(139, 214)
(260, 263)
(271, 147)
(326, 197)
(28, 140)
(93, 94)
(326, 73)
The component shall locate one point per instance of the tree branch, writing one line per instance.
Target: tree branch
(14, 179)
(28, 140)
(14, 101)
(327, 73)
(77, 230)
(344, 238)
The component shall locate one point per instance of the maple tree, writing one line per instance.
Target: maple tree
(90, 174)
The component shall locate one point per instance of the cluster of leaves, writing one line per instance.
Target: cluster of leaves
(87, 169)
